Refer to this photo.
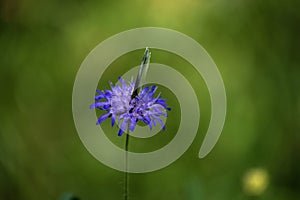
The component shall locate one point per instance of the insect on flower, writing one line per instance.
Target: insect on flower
(126, 104)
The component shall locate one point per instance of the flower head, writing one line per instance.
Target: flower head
(125, 107)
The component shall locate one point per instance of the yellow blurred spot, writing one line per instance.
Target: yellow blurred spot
(171, 10)
(255, 181)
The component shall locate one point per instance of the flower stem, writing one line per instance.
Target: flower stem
(126, 181)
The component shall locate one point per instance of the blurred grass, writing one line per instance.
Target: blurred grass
(255, 45)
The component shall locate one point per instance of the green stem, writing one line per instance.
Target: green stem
(126, 181)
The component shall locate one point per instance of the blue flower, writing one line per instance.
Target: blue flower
(125, 107)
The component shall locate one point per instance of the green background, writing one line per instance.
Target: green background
(255, 45)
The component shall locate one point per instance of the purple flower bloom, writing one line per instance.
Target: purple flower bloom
(127, 109)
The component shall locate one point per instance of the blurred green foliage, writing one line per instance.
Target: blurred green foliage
(255, 45)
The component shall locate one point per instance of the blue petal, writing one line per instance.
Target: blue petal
(113, 119)
(102, 118)
(120, 132)
(145, 121)
(140, 118)
(150, 126)
(161, 102)
(98, 104)
(145, 90)
(163, 114)
(106, 107)
(108, 93)
(154, 122)
(132, 125)
(98, 97)
(122, 81)
(148, 119)
(149, 122)
(161, 123)
(153, 89)
(123, 126)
